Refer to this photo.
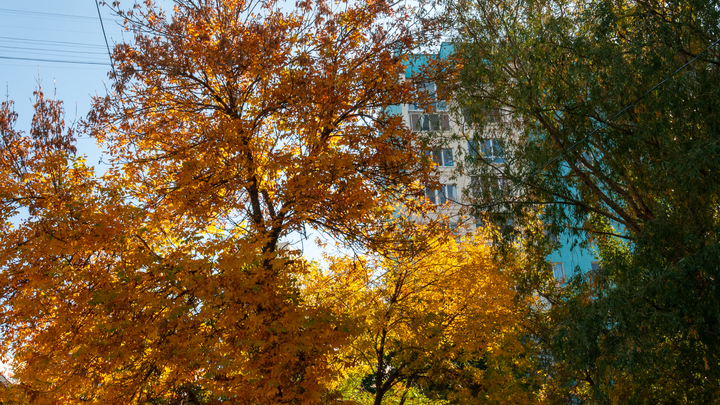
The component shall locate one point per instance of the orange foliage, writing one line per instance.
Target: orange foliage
(231, 124)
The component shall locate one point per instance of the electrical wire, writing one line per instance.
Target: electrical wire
(46, 15)
(70, 67)
(55, 60)
(45, 42)
(64, 48)
(629, 106)
(112, 62)
(49, 28)
(22, 48)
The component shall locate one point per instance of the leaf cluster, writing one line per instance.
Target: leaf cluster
(606, 158)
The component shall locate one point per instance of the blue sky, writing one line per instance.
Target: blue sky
(61, 44)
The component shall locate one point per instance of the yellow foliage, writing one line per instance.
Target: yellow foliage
(445, 320)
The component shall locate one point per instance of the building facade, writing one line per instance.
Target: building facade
(453, 144)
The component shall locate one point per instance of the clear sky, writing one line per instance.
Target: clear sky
(60, 44)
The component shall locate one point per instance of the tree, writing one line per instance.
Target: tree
(231, 124)
(640, 184)
(437, 321)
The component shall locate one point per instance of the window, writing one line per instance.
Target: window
(431, 90)
(429, 122)
(431, 194)
(447, 192)
(489, 186)
(558, 271)
(448, 157)
(478, 222)
(594, 266)
(437, 106)
(475, 185)
(552, 237)
(443, 157)
(490, 116)
(491, 150)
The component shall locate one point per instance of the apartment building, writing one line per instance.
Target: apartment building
(459, 143)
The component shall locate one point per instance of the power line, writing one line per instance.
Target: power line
(46, 15)
(51, 50)
(74, 67)
(112, 63)
(64, 43)
(55, 60)
(49, 28)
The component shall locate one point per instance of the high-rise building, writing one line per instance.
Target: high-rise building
(452, 140)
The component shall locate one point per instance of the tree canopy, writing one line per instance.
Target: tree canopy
(439, 323)
(231, 124)
(611, 161)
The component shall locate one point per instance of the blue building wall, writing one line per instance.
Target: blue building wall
(572, 257)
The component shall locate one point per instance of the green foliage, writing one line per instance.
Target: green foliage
(642, 187)
(359, 389)
(187, 394)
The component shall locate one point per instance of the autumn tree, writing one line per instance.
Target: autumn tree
(439, 321)
(613, 161)
(231, 124)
